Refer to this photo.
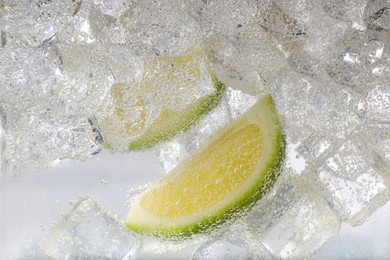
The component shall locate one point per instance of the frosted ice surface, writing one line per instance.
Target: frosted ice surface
(349, 10)
(158, 28)
(293, 221)
(85, 80)
(377, 15)
(376, 105)
(379, 136)
(28, 74)
(355, 178)
(36, 140)
(250, 61)
(301, 101)
(30, 23)
(90, 231)
(228, 17)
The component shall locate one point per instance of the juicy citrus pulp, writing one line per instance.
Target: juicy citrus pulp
(232, 171)
(176, 91)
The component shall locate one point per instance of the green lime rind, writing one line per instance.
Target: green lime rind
(265, 181)
(193, 114)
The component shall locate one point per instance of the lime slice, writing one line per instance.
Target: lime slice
(238, 165)
(176, 91)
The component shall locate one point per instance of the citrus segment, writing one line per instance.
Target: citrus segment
(231, 172)
(175, 92)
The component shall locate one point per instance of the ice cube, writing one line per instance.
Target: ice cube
(228, 17)
(155, 248)
(236, 243)
(361, 61)
(85, 80)
(36, 140)
(157, 28)
(379, 136)
(2, 134)
(114, 8)
(31, 23)
(346, 10)
(293, 221)
(376, 105)
(301, 100)
(354, 178)
(28, 74)
(90, 231)
(275, 17)
(239, 62)
(377, 15)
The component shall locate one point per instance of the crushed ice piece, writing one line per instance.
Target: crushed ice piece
(236, 15)
(237, 243)
(377, 15)
(31, 23)
(293, 160)
(155, 248)
(376, 105)
(159, 28)
(301, 101)
(239, 102)
(293, 221)
(90, 231)
(354, 178)
(38, 140)
(239, 62)
(349, 10)
(379, 136)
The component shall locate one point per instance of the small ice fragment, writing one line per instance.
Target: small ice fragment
(89, 231)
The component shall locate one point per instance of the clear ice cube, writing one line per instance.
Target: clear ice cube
(36, 140)
(354, 178)
(228, 17)
(237, 243)
(379, 136)
(349, 10)
(361, 61)
(159, 28)
(376, 105)
(28, 74)
(239, 62)
(377, 15)
(31, 23)
(90, 231)
(301, 101)
(85, 81)
(293, 221)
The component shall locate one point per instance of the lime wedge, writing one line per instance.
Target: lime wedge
(175, 93)
(238, 165)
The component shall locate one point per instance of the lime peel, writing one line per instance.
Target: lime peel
(193, 114)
